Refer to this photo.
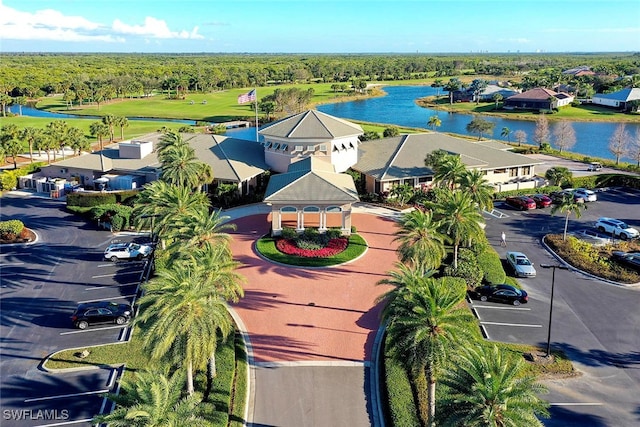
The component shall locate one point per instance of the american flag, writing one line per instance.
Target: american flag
(247, 97)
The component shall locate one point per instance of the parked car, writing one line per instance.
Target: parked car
(594, 167)
(542, 200)
(587, 195)
(592, 236)
(92, 313)
(630, 259)
(616, 228)
(521, 264)
(521, 202)
(559, 196)
(117, 251)
(502, 293)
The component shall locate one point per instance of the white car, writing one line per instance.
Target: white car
(585, 194)
(521, 264)
(118, 251)
(616, 228)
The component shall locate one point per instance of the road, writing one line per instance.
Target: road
(597, 324)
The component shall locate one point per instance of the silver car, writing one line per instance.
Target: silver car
(521, 264)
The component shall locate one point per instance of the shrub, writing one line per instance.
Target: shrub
(11, 229)
(491, 266)
(468, 268)
(118, 216)
(9, 177)
(353, 229)
(401, 402)
(289, 233)
(585, 181)
(546, 190)
(126, 197)
(90, 199)
(334, 233)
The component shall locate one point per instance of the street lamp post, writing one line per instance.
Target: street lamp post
(553, 284)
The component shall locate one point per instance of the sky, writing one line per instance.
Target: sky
(319, 26)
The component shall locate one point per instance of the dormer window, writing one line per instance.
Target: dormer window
(298, 148)
(284, 147)
(276, 146)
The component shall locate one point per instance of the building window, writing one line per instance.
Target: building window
(526, 170)
(288, 209)
(311, 209)
(499, 171)
(513, 172)
(333, 209)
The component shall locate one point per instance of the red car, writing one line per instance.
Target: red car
(542, 201)
(521, 202)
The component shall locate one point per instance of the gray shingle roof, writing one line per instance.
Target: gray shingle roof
(539, 93)
(311, 124)
(403, 156)
(309, 181)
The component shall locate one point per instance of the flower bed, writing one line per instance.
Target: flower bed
(333, 247)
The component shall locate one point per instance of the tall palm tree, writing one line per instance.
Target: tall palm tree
(434, 122)
(110, 120)
(569, 206)
(448, 171)
(558, 175)
(459, 217)
(30, 134)
(122, 122)
(426, 324)
(167, 140)
(199, 230)
(151, 399)
(181, 314)
(76, 140)
(506, 133)
(57, 131)
(421, 244)
(475, 183)
(491, 388)
(164, 204)
(180, 167)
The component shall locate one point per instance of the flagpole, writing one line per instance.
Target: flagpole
(256, 105)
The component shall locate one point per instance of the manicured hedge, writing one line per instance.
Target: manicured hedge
(90, 199)
(491, 266)
(523, 192)
(11, 229)
(402, 409)
(618, 180)
(468, 268)
(118, 216)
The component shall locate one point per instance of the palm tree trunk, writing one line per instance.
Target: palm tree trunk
(190, 388)
(455, 256)
(431, 397)
(211, 374)
(566, 224)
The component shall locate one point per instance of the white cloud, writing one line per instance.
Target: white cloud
(52, 25)
(154, 28)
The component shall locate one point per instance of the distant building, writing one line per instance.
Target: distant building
(619, 99)
(579, 71)
(466, 95)
(538, 99)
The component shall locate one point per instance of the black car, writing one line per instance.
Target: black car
(630, 259)
(101, 312)
(502, 293)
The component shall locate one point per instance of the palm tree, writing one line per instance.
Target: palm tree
(568, 205)
(122, 122)
(448, 171)
(164, 204)
(426, 323)
(151, 399)
(491, 388)
(475, 183)
(506, 133)
(57, 131)
(99, 130)
(558, 175)
(76, 140)
(181, 314)
(459, 217)
(12, 147)
(421, 244)
(110, 120)
(30, 134)
(180, 167)
(497, 97)
(434, 122)
(199, 230)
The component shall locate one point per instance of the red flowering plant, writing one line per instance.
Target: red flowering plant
(311, 244)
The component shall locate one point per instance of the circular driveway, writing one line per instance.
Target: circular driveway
(296, 314)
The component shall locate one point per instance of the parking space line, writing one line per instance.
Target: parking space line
(107, 299)
(66, 423)
(93, 330)
(95, 288)
(10, 264)
(114, 274)
(502, 308)
(523, 325)
(64, 396)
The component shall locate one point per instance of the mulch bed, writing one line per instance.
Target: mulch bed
(26, 236)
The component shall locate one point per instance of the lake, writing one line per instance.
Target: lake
(399, 108)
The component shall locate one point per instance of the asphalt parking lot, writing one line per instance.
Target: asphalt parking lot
(40, 286)
(595, 323)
